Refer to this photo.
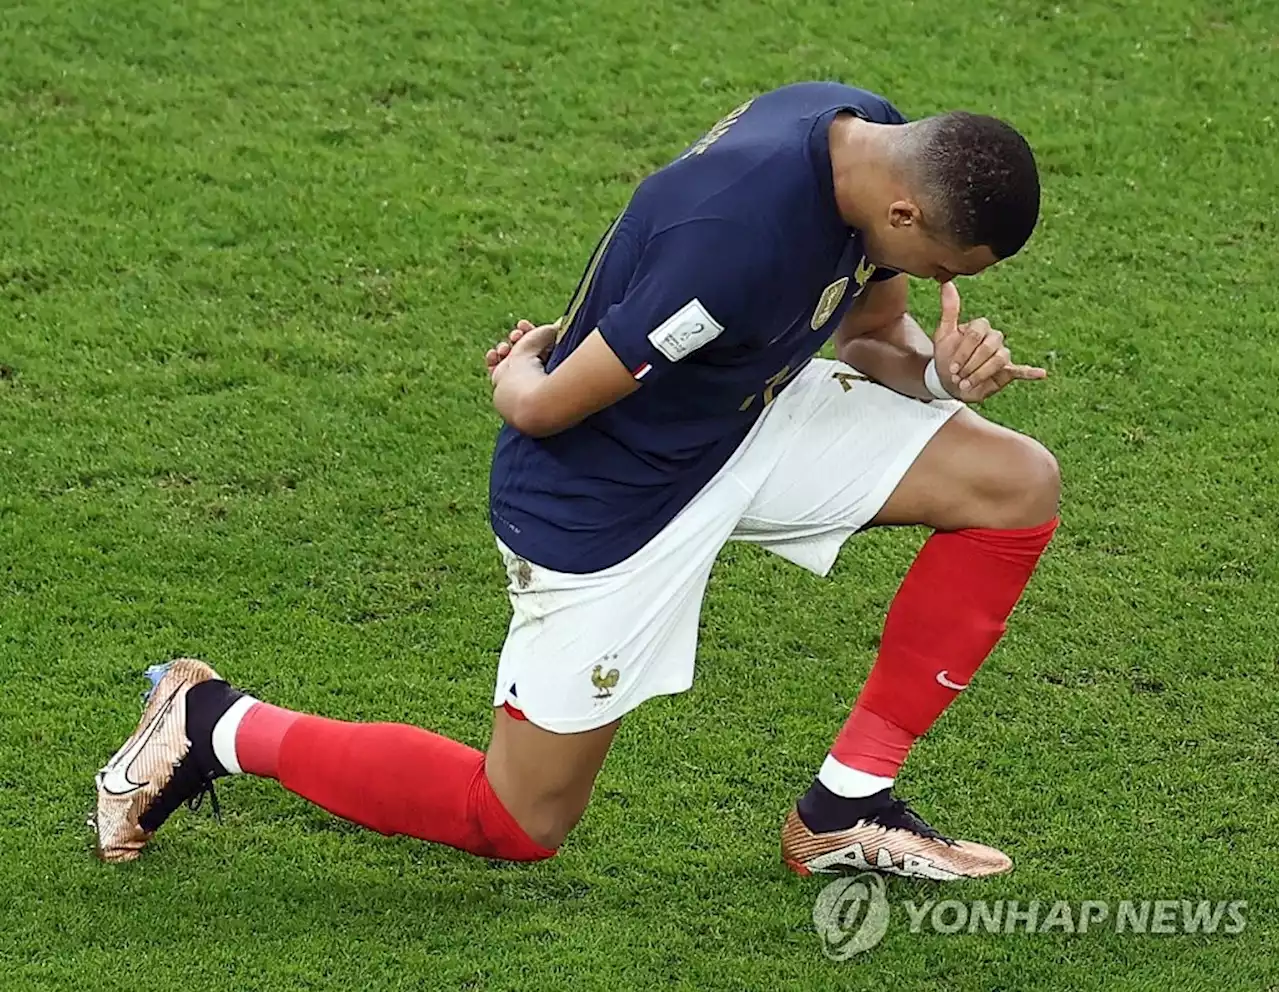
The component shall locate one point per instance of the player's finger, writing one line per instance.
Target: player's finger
(990, 386)
(949, 322)
(969, 337)
(1027, 372)
(524, 325)
(992, 344)
(491, 358)
(969, 340)
(987, 371)
(982, 354)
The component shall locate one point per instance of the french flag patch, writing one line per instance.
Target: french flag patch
(641, 372)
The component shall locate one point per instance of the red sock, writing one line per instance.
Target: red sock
(388, 777)
(259, 736)
(947, 617)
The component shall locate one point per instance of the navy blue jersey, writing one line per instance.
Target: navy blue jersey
(721, 279)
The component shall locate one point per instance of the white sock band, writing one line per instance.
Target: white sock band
(849, 782)
(224, 734)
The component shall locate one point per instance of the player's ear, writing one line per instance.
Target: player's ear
(904, 213)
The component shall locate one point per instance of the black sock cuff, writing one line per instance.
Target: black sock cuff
(822, 811)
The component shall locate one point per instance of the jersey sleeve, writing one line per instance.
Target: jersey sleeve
(693, 287)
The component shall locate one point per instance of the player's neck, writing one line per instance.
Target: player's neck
(861, 168)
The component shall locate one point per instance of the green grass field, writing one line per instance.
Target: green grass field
(250, 257)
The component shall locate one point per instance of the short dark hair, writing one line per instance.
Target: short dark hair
(979, 171)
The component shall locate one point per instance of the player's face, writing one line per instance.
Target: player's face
(904, 241)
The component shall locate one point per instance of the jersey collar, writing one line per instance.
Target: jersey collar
(820, 156)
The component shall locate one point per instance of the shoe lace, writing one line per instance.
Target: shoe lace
(206, 789)
(900, 815)
(187, 787)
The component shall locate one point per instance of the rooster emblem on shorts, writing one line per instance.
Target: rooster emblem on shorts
(604, 681)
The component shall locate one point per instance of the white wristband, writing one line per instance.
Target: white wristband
(933, 383)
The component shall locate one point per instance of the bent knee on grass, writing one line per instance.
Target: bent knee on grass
(549, 824)
(544, 779)
(547, 814)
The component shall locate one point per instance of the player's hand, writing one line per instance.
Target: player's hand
(527, 338)
(972, 360)
(494, 356)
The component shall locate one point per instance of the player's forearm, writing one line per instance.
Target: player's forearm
(515, 395)
(541, 403)
(894, 356)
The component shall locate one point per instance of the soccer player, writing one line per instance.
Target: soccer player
(678, 404)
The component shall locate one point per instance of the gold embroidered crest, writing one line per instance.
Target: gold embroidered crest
(604, 681)
(863, 273)
(827, 303)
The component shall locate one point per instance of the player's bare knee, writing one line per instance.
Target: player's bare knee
(1015, 485)
(549, 825)
(1030, 486)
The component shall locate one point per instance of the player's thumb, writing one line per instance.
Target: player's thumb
(949, 322)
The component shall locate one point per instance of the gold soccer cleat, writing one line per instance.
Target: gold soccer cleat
(154, 771)
(893, 840)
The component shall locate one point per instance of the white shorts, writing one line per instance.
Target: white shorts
(825, 456)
